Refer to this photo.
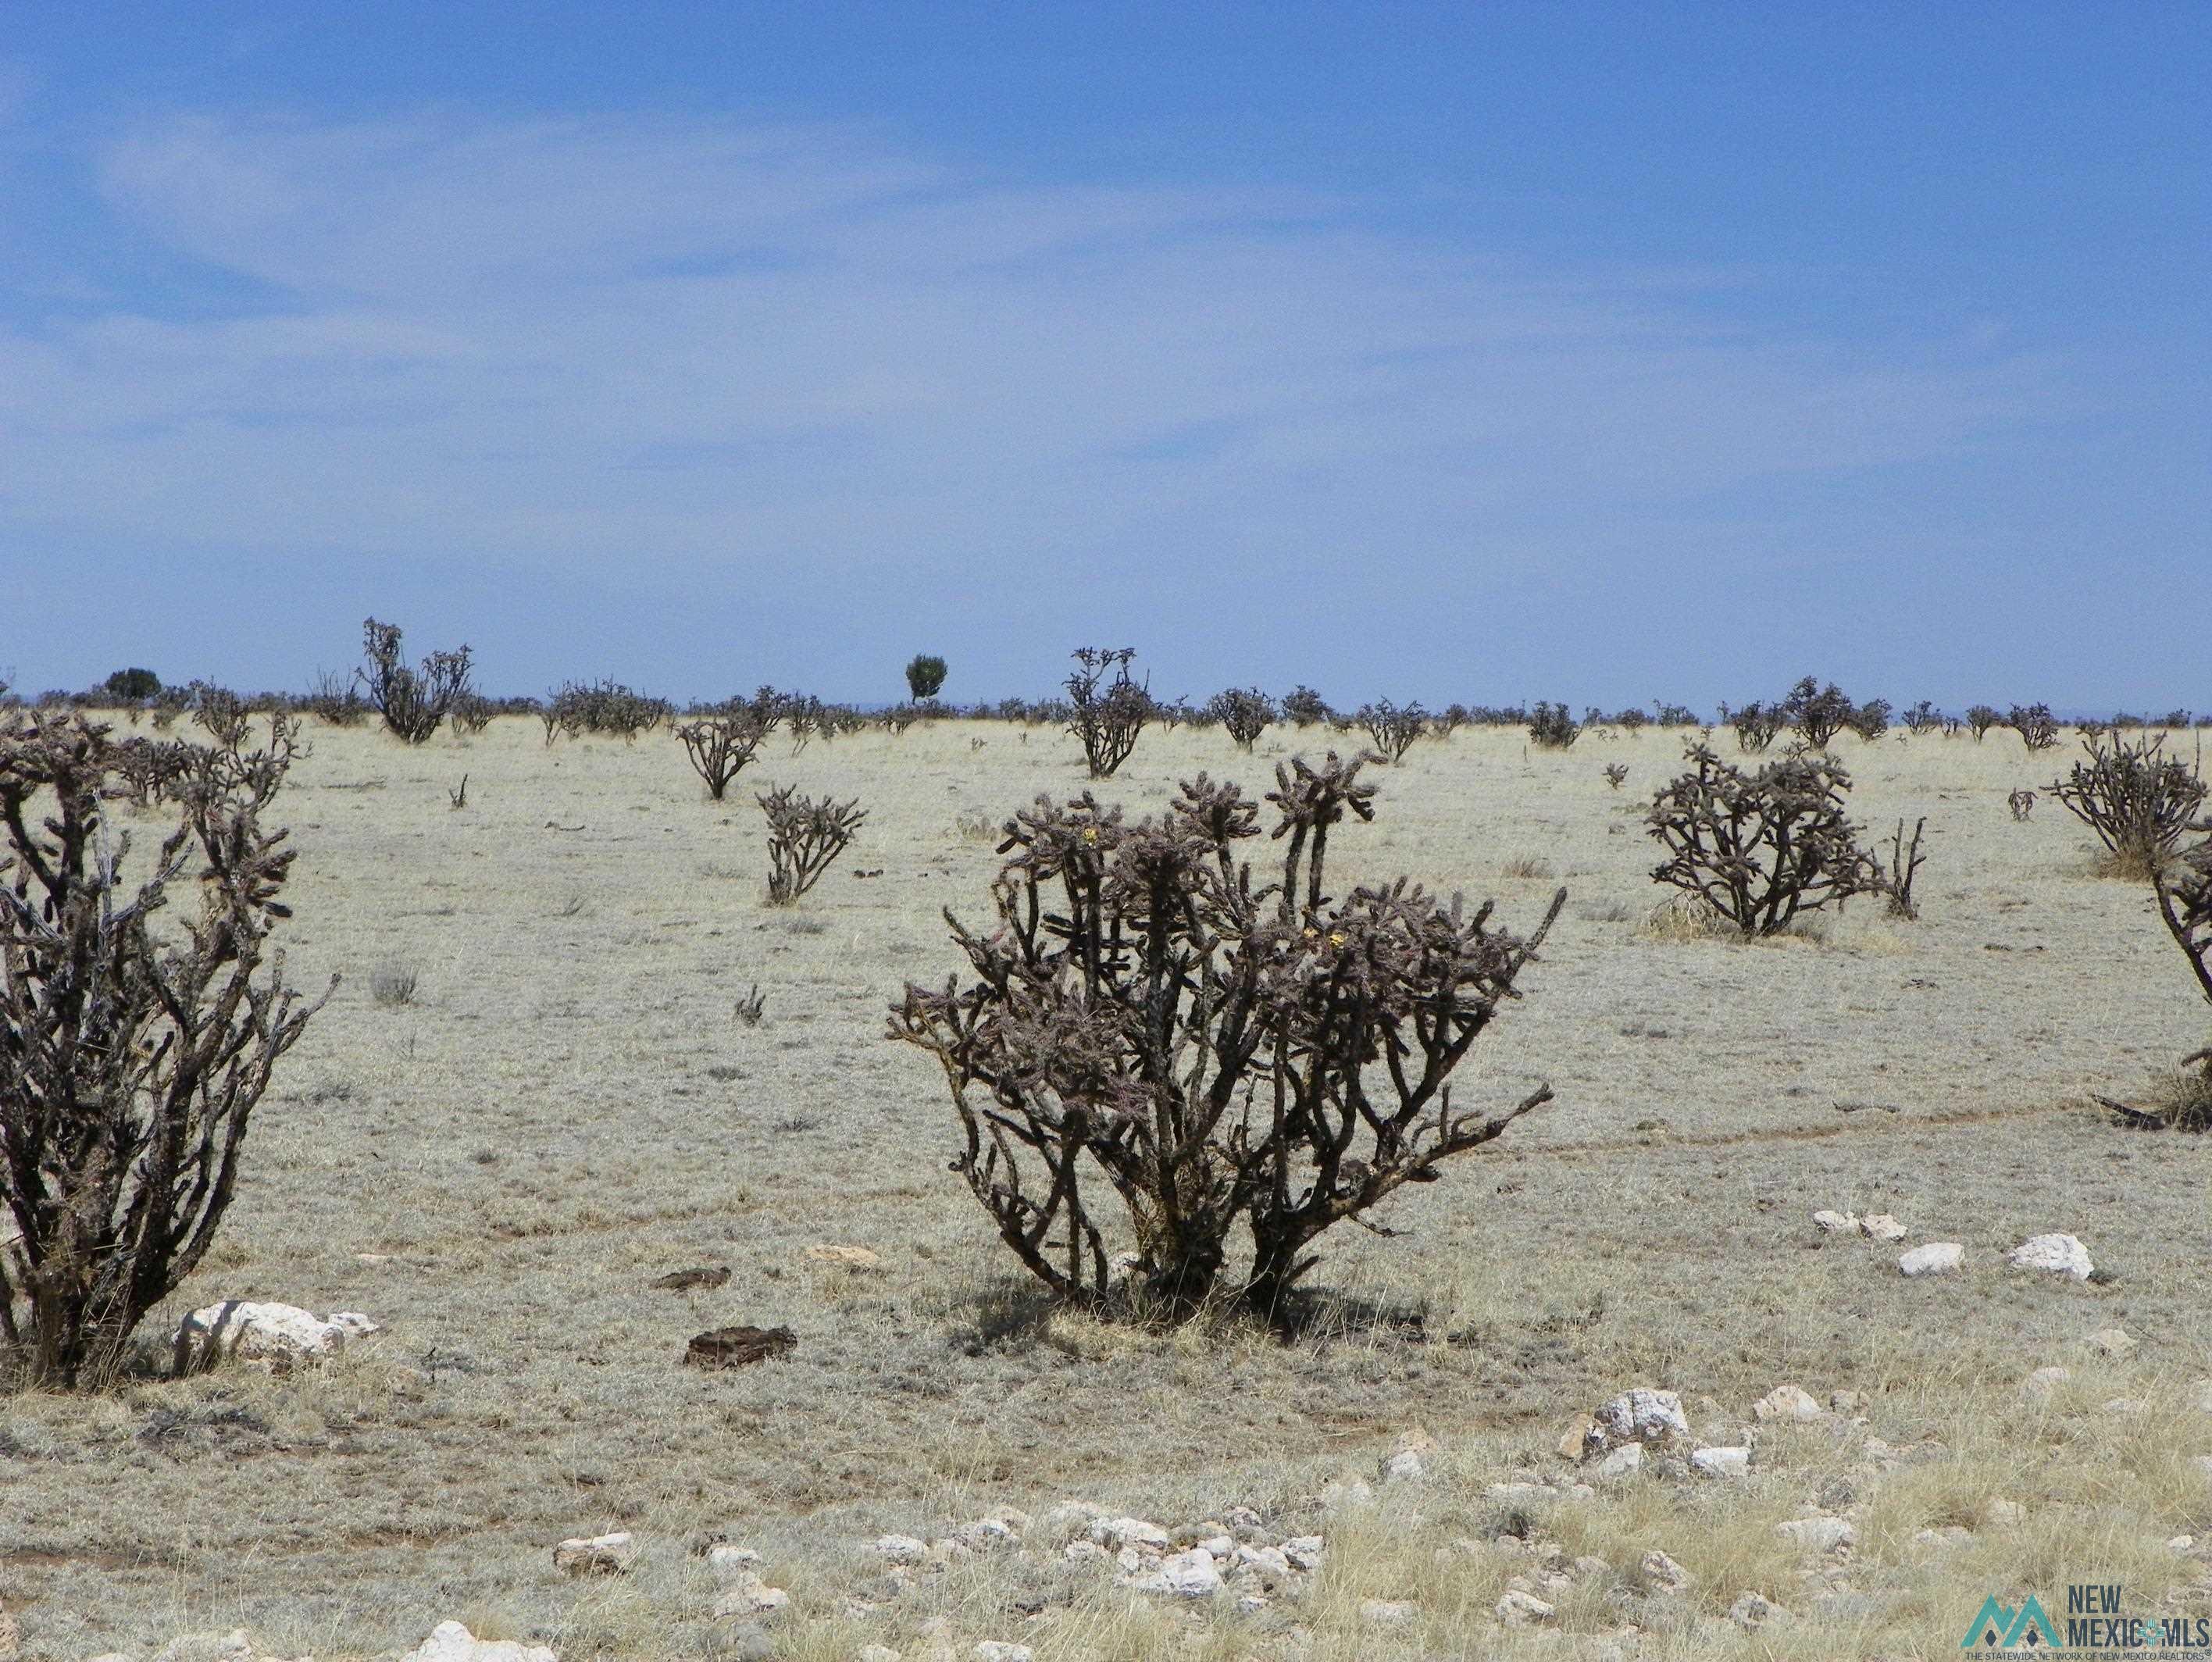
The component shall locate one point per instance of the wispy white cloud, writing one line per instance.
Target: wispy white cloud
(803, 351)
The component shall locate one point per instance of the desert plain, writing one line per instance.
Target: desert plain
(496, 1168)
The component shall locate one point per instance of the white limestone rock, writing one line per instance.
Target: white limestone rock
(1938, 1258)
(1789, 1404)
(2053, 1254)
(1818, 1534)
(597, 1555)
(1734, 1462)
(1640, 1416)
(1189, 1575)
(275, 1337)
(449, 1642)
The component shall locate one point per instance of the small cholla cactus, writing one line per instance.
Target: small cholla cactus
(1616, 774)
(2022, 804)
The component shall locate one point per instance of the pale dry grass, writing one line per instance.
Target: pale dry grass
(583, 930)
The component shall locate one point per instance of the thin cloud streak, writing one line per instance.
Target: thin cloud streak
(802, 354)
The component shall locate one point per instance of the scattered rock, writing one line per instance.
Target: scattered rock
(1517, 1494)
(901, 1549)
(1754, 1610)
(449, 1642)
(985, 1533)
(1389, 1612)
(2007, 1514)
(846, 1258)
(1524, 1610)
(1346, 1493)
(232, 1647)
(1404, 1467)
(1662, 1572)
(1818, 1534)
(1836, 1223)
(739, 1347)
(747, 1594)
(879, 1653)
(1938, 1258)
(2112, 1342)
(1115, 1533)
(2055, 1254)
(1304, 1551)
(997, 1650)
(1640, 1416)
(1623, 1462)
(1943, 1539)
(1882, 1226)
(1721, 1462)
(1270, 1566)
(1187, 1575)
(596, 1555)
(1789, 1403)
(701, 1279)
(2182, 1543)
(277, 1336)
(2040, 1384)
(1845, 1402)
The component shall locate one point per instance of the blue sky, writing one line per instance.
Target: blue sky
(1496, 353)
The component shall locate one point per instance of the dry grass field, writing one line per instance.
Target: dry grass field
(496, 1170)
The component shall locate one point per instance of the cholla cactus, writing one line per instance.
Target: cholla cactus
(1393, 729)
(1760, 848)
(2137, 800)
(130, 1063)
(804, 836)
(1146, 1020)
(1244, 712)
(1107, 717)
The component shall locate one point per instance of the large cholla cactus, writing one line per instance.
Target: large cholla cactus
(1761, 847)
(1143, 1017)
(131, 1059)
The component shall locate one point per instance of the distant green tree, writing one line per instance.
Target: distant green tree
(924, 675)
(132, 684)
